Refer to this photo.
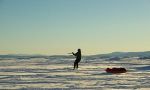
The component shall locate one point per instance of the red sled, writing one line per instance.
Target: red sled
(116, 70)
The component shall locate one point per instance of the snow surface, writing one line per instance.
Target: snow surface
(57, 73)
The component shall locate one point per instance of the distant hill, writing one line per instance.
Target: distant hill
(113, 55)
(26, 56)
(125, 54)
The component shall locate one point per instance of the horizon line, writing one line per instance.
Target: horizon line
(26, 54)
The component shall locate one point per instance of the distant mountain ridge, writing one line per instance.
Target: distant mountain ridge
(126, 54)
(109, 55)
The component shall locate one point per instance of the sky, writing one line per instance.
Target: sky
(55, 27)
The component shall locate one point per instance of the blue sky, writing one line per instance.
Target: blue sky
(61, 26)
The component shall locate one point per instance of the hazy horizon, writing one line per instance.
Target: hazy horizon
(56, 27)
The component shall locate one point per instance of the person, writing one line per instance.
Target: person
(78, 58)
